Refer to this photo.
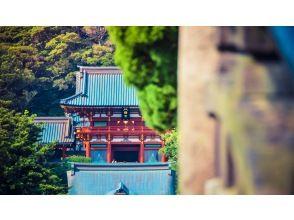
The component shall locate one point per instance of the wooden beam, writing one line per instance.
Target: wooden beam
(141, 154)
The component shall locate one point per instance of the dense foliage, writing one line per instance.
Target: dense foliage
(37, 64)
(37, 69)
(24, 167)
(148, 58)
(170, 148)
(78, 159)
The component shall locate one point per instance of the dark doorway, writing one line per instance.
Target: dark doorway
(125, 152)
(125, 156)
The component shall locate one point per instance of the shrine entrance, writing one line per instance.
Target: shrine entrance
(125, 152)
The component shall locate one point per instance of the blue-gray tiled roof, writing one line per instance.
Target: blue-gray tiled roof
(136, 179)
(55, 129)
(101, 86)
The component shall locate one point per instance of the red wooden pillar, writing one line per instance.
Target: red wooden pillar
(163, 157)
(109, 156)
(88, 149)
(141, 155)
(108, 152)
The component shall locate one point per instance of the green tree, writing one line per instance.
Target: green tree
(171, 146)
(24, 167)
(15, 78)
(148, 58)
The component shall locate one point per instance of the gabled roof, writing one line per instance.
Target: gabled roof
(101, 86)
(57, 129)
(133, 179)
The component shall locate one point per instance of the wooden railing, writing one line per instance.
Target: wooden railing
(116, 130)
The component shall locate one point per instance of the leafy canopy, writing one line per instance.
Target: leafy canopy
(148, 58)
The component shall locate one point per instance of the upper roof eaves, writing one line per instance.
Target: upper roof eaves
(51, 119)
(101, 86)
(100, 69)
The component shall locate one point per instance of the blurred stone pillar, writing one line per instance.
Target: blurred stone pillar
(234, 75)
(196, 66)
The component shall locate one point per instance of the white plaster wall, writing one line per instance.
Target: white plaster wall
(149, 139)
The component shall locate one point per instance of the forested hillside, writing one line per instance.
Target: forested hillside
(38, 64)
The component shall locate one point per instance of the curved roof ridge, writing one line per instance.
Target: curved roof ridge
(100, 69)
(63, 101)
(52, 118)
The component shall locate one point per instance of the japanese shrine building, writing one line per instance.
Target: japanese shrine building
(103, 122)
(106, 118)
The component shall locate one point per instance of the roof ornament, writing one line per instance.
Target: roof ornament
(120, 190)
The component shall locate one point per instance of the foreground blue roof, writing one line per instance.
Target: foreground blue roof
(101, 86)
(134, 178)
(55, 129)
